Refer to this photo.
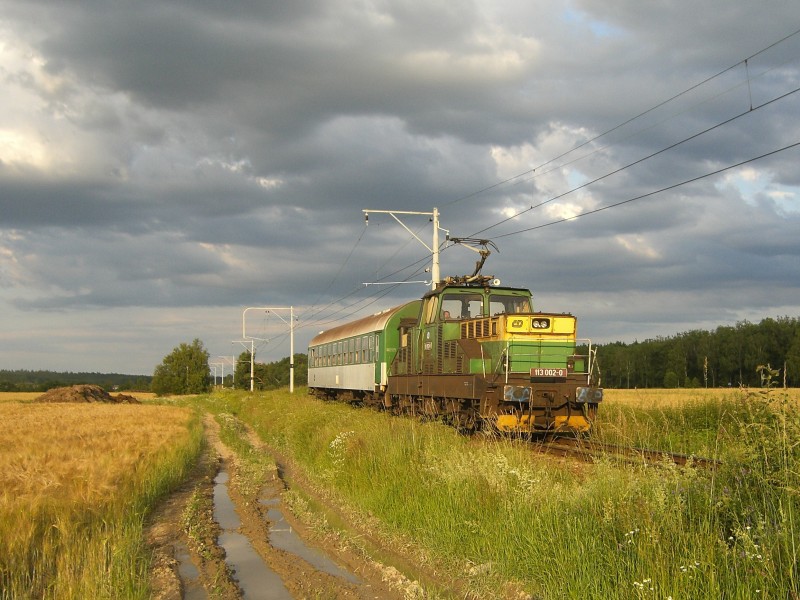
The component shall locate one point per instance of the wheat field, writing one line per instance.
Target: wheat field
(76, 481)
(678, 397)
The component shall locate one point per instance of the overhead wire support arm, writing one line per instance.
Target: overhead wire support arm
(393, 282)
(433, 249)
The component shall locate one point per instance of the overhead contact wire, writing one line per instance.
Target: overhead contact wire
(653, 193)
(619, 126)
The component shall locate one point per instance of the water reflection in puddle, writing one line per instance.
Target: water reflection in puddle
(190, 576)
(255, 578)
(283, 537)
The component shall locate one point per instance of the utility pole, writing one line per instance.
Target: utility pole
(435, 277)
(291, 339)
(233, 366)
(252, 350)
(222, 368)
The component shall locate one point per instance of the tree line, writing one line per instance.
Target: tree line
(23, 380)
(726, 356)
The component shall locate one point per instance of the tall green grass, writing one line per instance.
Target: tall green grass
(492, 512)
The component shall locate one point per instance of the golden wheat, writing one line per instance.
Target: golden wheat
(70, 475)
(18, 396)
(662, 398)
(80, 451)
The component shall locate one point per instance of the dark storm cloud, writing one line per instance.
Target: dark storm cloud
(193, 157)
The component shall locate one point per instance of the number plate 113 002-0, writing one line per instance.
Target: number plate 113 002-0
(561, 373)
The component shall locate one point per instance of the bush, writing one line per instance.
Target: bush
(671, 380)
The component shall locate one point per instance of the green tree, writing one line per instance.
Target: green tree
(671, 380)
(242, 373)
(793, 361)
(270, 376)
(184, 371)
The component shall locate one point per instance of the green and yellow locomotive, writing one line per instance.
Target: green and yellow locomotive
(471, 352)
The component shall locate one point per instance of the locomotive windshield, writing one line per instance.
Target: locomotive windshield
(474, 305)
(499, 305)
(462, 306)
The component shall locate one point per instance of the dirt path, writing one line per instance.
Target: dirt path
(285, 556)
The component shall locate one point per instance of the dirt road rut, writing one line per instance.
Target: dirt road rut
(210, 541)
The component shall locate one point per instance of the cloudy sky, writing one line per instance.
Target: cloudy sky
(165, 164)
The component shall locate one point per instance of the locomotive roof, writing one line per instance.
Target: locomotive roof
(444, 286)
(361, 326)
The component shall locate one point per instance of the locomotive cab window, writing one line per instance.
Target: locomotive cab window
(462, 306)
(510, 305)
(430, 309)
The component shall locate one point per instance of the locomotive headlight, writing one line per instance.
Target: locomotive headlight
(571, 365)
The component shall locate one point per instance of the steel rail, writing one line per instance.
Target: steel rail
(589, 450)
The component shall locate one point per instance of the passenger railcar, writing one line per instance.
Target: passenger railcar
(468, 351)
(351, 362)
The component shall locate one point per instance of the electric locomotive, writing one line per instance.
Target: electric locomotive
(472, 352)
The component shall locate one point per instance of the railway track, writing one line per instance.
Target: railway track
(588, 450)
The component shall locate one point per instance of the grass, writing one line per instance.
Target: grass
(253, 468)
(689, 421)
(497, 517)
(77, 482)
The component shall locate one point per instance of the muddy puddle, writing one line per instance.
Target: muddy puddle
(255, 578)
(190, 576)
(253, 575)
(283, 537)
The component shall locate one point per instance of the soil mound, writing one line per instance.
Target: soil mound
(84, 393)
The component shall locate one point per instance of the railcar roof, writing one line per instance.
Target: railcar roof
(361, 326)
